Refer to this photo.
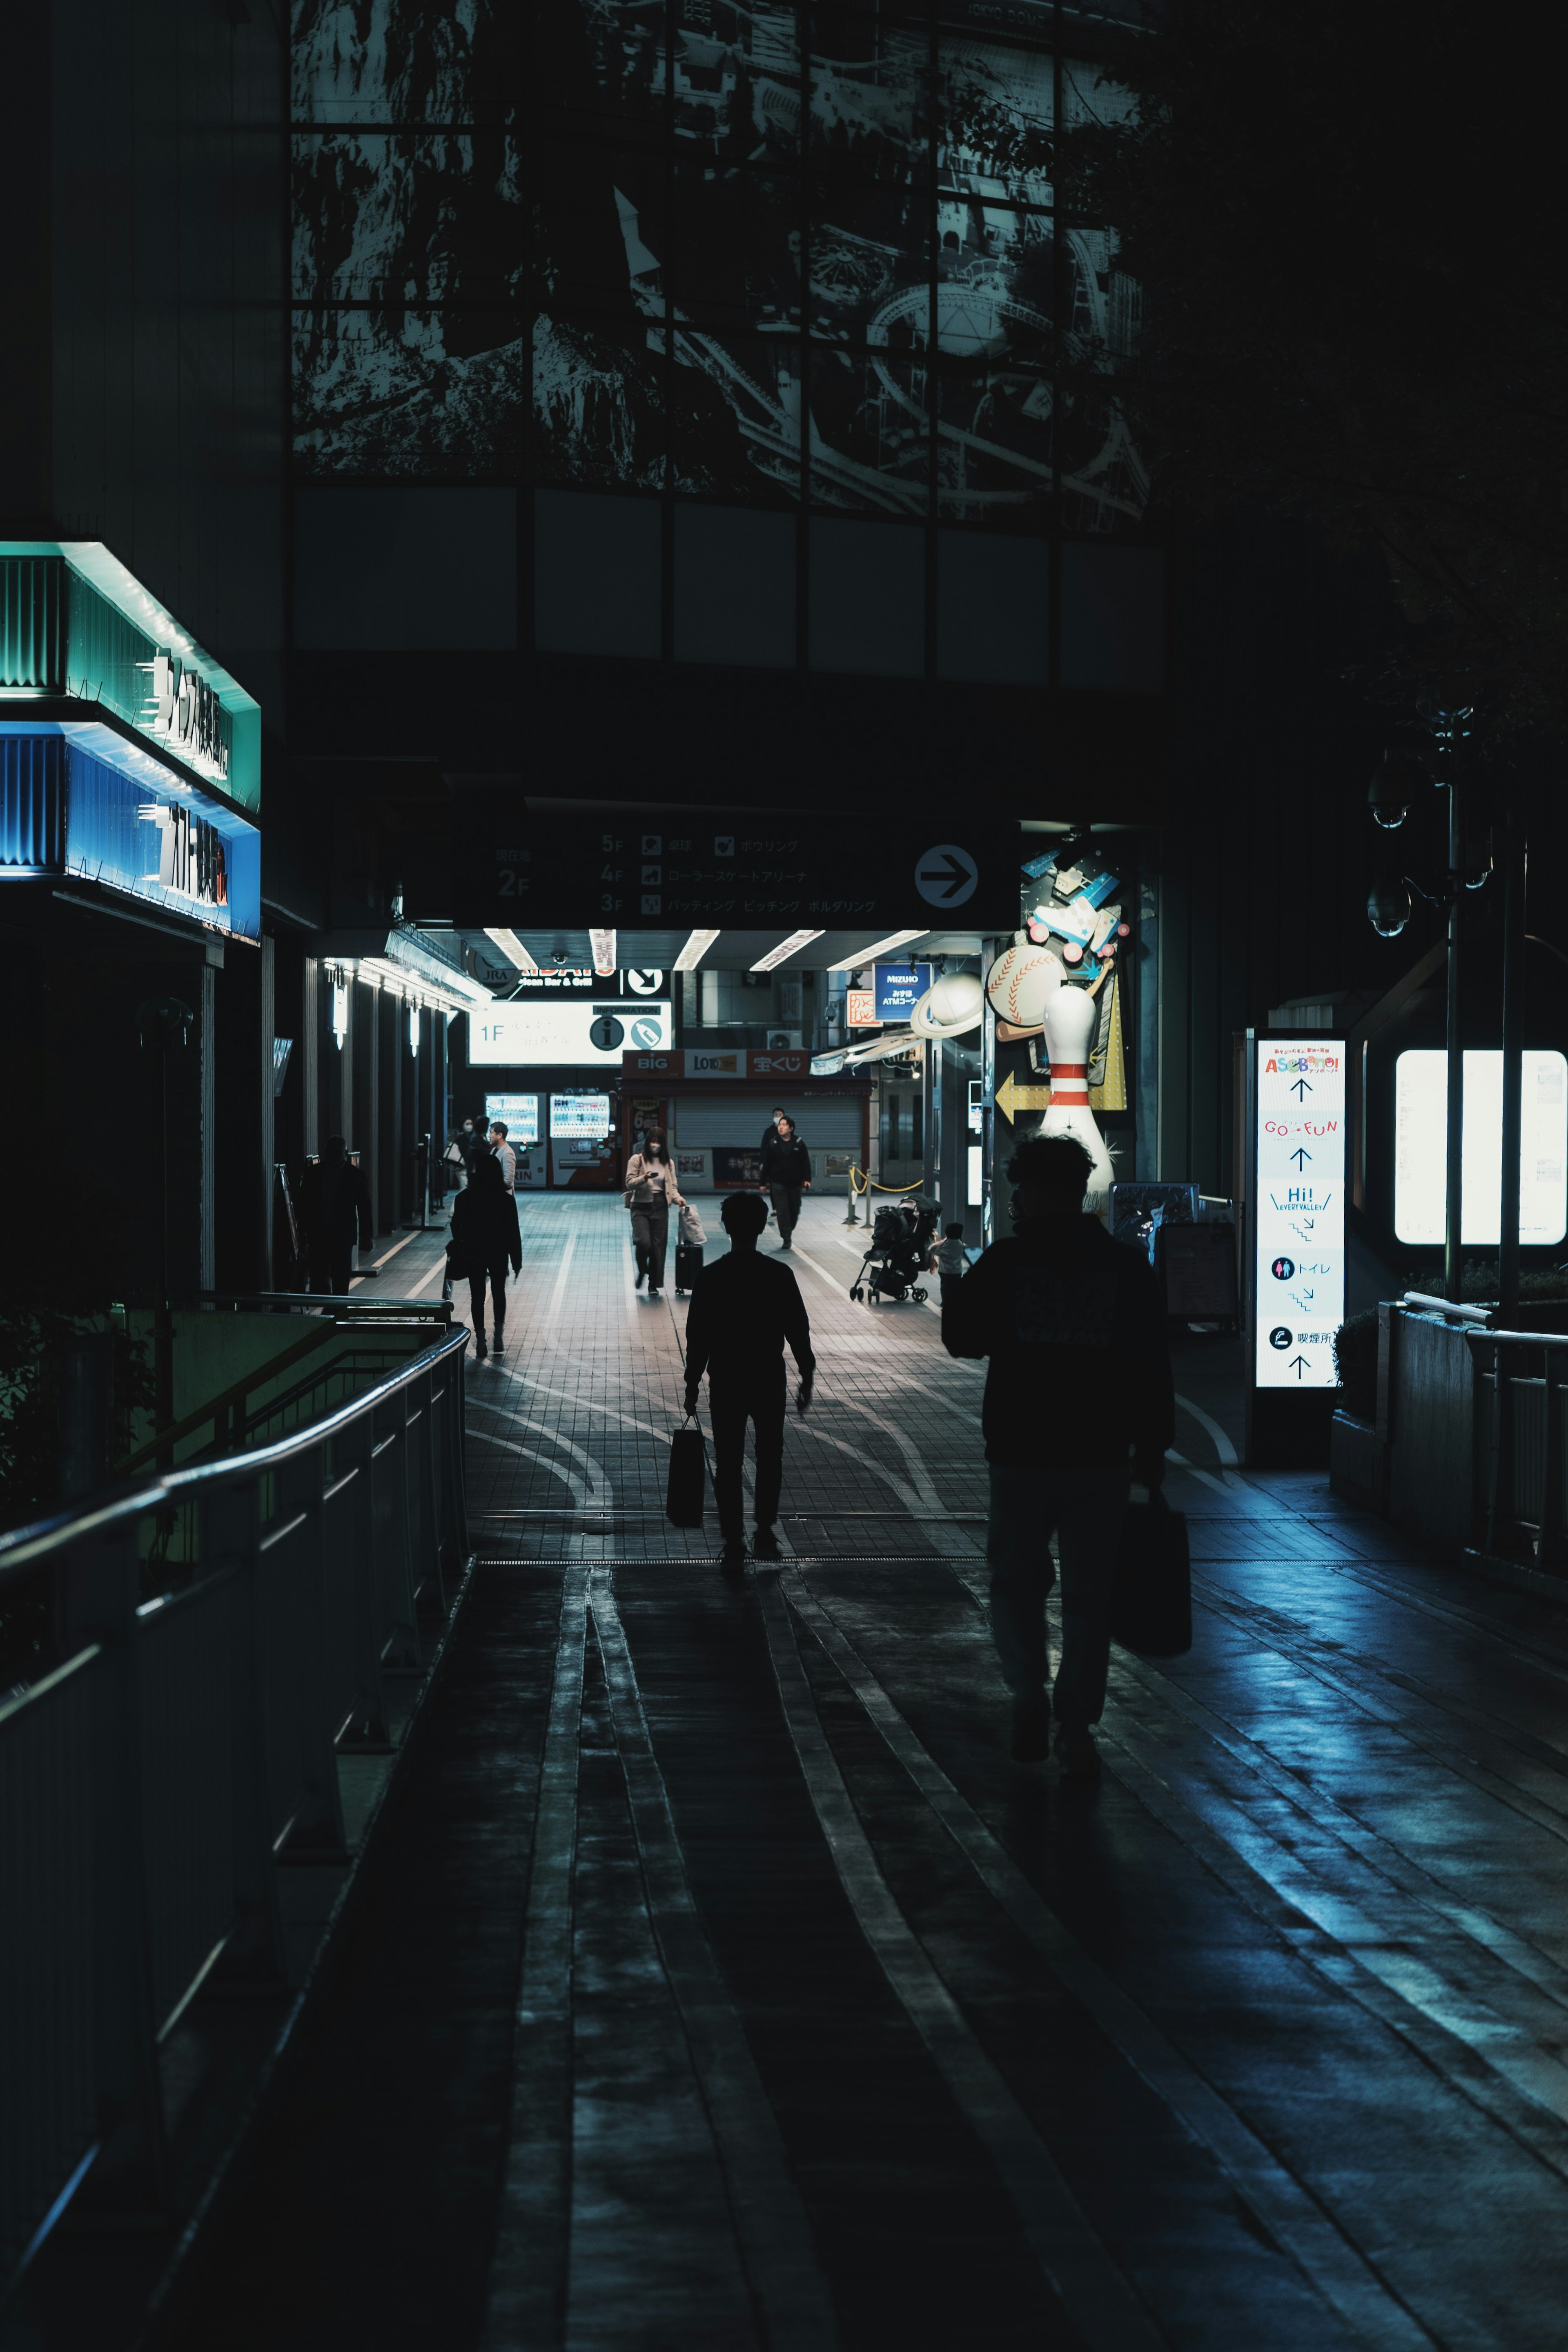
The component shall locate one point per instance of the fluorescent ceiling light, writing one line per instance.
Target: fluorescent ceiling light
(604, 946)
(512, 947)
(460, 996)
(877, 947)
(695, 948)
(791, 946)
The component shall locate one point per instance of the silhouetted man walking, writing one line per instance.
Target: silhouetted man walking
(786, 1172)
(1078, 1404)
(743, 1308)
(335, 1202)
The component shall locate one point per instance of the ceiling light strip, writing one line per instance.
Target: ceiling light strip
(512, 947)
(877, 947)
(697, 947)
(786, 948)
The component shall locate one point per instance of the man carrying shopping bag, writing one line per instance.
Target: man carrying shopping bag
(1077, 1405)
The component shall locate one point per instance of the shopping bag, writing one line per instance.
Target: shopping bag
(1150, 1597)
(693, 1231)
(687, 1487)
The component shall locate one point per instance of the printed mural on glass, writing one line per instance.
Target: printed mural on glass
(671, 285)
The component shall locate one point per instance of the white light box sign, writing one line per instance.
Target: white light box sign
(1421, 1142)
(1300, 1274)
(528, 1033)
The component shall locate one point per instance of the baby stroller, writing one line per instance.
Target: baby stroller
(900, 1248)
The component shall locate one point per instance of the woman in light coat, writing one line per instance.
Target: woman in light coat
(650, 1190)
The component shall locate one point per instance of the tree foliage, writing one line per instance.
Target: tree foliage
(1346, 222)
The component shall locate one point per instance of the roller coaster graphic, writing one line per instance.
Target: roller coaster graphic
(977, 319)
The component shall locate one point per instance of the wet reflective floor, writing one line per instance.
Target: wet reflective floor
(714, 1980)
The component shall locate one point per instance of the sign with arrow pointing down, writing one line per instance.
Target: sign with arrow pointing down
(1299, 1222)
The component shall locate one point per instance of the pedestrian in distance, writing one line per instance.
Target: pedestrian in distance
(743, 1309)
(651, 1191)
(504, 1154)
(770, 1132)
(1077, 1405)
(334, 1204)
(949, 1259)
(485, 1241)
(786, 1175)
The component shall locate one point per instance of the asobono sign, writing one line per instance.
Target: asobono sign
(1299, 1216)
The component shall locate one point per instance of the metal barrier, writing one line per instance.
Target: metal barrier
(1521, 1428)
(182, 1744)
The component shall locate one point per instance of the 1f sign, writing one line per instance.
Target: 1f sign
(1299, 1276)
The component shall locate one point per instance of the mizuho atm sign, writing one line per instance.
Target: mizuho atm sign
(1299, 1273)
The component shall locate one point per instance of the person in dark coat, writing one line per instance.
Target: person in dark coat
(1078, 1403)
(334, 1201)
(486, 1240)
(787, 1173)
(770, 1132)
(743, 1309)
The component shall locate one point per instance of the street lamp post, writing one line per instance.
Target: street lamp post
(1453, 1192)
(1388, 909)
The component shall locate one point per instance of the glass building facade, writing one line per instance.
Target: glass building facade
(780, 320)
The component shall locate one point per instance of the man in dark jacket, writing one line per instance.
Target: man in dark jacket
(787, 1173)
(334, 1200)
(743, 1309)
(1078, 1405)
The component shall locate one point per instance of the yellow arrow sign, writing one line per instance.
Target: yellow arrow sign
(1011, 1097)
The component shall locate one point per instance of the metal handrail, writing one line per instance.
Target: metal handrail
(1432, 1304)
(1523, 1338)
(216, 1408)
(182, 1750)
(23, 1546)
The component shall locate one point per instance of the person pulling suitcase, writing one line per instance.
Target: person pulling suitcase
(691, 1240)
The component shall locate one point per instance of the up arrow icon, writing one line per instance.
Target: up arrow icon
(1300, 1156)
(1301, 1089)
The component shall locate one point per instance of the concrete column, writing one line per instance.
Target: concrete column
(207, 1043)
(309, 1049)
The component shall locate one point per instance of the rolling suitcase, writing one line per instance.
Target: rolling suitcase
(686, 1490)
(1151, 1598)
(688, 1266)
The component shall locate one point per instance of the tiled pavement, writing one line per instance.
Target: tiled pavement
(716, 1982)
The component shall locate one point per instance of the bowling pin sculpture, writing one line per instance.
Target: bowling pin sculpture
(1071, 1014)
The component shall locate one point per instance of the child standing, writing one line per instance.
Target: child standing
(949, 1259)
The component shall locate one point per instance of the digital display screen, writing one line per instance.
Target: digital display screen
(1421, 1141)
(1299, 1279)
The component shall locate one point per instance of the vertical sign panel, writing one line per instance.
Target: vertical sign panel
(1299, 1273)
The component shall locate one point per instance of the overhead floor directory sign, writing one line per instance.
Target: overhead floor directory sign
(1299, 1287)
(740, 869)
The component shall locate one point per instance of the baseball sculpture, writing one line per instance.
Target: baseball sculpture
(1021, 983)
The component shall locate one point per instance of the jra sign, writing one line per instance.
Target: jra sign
(1299, 1220)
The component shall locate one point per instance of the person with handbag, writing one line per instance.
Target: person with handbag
(649, 1190)
(743, 1309)
(1079, 1404)
(486, 1239)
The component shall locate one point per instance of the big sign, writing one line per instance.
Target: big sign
(1299, 1280)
